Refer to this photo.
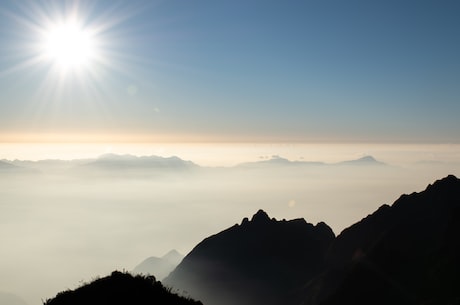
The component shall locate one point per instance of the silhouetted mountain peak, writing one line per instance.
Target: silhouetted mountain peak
(240, 264)
(260, 217)
(173, 257)
(445, 183)
(323, 229)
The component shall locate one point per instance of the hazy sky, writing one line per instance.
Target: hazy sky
(329, 71)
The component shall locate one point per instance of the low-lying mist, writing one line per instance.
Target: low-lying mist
(66, 222)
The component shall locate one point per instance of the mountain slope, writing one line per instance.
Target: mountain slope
(406, 253)
(257, 262)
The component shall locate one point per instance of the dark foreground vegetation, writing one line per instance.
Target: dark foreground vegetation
(121, 288)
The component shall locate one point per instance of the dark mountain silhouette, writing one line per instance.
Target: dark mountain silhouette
(10, 299)
(257, 262)
(407, 253)
(160, 267)
(121, 289)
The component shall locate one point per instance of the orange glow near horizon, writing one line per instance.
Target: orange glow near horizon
(176, 137)
(206, 152)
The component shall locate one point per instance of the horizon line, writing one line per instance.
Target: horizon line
(144, 138)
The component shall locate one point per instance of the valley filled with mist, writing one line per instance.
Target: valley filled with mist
(67, 221)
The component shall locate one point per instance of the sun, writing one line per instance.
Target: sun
(69, 46)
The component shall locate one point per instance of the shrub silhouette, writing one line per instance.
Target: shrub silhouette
(121, 288)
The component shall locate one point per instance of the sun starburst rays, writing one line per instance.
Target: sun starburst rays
(69, 44)
(66, 57)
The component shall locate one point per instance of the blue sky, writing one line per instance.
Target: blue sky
(327, 71)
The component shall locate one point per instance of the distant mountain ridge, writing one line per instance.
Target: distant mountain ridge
(277, 161)
(113, 161)
(160, 267)
(114, 165)
(119, 163)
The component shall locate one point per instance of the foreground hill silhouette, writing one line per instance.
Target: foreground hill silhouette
(257, 262)
(407, 253)
(121, 289)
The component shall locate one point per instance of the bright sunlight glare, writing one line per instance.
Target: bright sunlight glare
(69, 45)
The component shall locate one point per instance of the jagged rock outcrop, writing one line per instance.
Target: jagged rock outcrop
(257, 262)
